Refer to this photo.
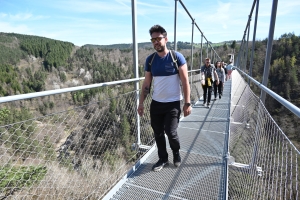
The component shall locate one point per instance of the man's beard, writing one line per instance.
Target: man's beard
(161, 49)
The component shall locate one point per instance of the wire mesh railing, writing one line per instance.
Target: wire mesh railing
(76, 151)
(264, 163)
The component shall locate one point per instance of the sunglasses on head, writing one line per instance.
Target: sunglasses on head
(158, 39)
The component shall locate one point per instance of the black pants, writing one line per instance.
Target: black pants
(165, 119)
(206, 92)
(218, 88)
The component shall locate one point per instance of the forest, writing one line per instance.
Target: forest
(114, 62)
(33, 64)
(284, 79)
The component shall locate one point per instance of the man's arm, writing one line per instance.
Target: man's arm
(144, 92)
(183, 74)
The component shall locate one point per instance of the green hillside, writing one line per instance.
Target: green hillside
(31, 63)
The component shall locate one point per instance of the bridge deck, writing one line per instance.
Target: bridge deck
(202, 172)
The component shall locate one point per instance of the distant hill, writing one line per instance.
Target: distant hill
(119, 46)
(148, 45)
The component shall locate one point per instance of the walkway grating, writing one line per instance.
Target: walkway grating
(202, 174)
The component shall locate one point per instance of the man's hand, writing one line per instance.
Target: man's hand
(141, 109)
(187, 110)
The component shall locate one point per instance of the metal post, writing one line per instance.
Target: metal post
(192, 51)
(269, 50)
(136, 66)
(265, 79)
(206, 49)
(239, 62)
(214, 56)
(243, 52)
(246, 60)
(254, 38)
(175, 28)
(238, 57)
(211, 50)
(201, 49)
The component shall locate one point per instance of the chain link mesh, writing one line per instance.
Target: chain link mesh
(77, 153)
(81, 152)
(257, 141)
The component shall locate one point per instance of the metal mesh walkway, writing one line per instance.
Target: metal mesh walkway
(202, 172)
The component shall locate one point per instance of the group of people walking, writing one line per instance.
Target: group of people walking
(214, 76)
(165, 69)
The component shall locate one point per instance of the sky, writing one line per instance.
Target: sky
(104, 22)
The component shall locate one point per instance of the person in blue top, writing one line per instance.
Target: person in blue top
(165, 107)
(229, 70)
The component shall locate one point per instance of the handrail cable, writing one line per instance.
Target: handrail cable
(294, 109)
(64, 90)
(198, 27)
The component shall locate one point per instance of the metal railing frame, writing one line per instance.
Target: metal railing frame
(294, 109)
(240, 62)
(244, 48)
(254, 38)
(64, 90)
(269, 50)
(194, 23)
(135, 63)
(241, 67)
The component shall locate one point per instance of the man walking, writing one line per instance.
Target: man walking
(165, 106)
(208, 76)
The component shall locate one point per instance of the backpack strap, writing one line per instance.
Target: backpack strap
(149, 67)
(151, 60)
(173, 55)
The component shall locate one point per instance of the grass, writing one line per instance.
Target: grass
(14, 178)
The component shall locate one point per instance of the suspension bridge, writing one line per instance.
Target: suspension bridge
(104, 150)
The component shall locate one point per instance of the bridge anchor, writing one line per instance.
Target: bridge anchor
(140, 147)
(243, 167)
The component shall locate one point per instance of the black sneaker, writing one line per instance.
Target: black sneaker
(177, 159)
(204, 103)
(159, 165)
(208, 106)
(219, 96)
